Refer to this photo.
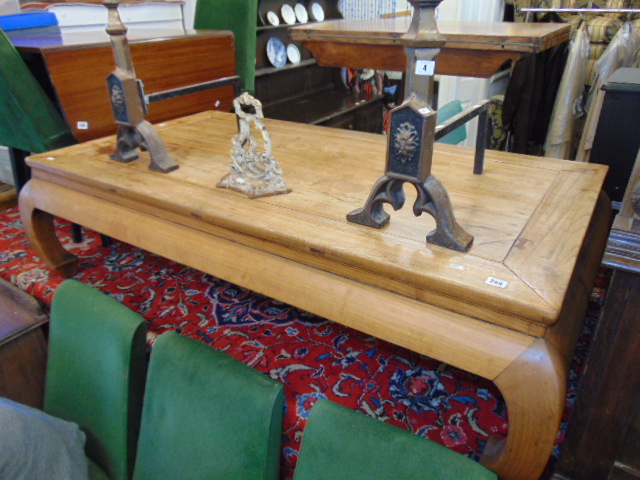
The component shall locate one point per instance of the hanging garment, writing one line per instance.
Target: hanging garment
(620, 53)
(567, 109)
(530, 98)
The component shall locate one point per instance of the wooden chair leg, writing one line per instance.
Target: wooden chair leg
(41, 232)
(107, 241)
(76, 230)
(21, 172)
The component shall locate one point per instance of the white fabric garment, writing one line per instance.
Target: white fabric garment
(565, 109)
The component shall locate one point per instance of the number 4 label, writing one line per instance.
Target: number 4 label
(425, 67)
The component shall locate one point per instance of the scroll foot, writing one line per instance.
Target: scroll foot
(434, 200)
(534, 389)
(41, 232)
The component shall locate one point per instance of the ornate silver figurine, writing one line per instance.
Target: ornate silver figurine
(254, 173)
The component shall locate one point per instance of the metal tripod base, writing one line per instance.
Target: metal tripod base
(432, 199)
(146, 137)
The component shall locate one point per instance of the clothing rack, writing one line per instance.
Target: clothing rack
(531, 10)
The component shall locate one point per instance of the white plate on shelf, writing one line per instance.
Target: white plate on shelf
(301, 13)
(272, 18)
(293, 54)
(288, 14)
(317, 13)
(276, 52)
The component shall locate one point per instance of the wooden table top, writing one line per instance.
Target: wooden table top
(518, 37)
(529, 215)
(473, 49)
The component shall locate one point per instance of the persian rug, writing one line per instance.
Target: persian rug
(313, 357)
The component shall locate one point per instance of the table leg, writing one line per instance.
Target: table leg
(41, 232)
(534, 388)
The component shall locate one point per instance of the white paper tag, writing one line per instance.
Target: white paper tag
(457, 267)
(83, 125)
(425, 67)
(496, 282)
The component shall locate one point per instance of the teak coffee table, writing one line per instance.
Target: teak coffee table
(509, 310)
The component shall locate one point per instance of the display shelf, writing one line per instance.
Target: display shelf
(269, 70)
(305, 92)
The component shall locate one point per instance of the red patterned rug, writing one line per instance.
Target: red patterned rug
(313, 358)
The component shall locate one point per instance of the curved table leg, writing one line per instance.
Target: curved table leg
(534, 389)
(41, 232)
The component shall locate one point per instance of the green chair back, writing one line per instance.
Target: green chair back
(459, 135)
(28, 119)
(239, 16)
(341, 443)
(207, 416)
(96, 373)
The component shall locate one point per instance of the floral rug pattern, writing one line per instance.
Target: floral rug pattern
(313, 358)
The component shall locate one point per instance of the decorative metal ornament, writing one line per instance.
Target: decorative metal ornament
(128, 104)
(410, 142)
(409, 154)
(254, 173)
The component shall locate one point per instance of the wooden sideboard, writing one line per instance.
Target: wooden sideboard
(72, 67)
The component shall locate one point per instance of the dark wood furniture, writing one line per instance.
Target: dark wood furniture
(616, 141)
(473, 49)
(23, 348)
(306, 92)
(73, 68)
(603, 436)
(510, 309)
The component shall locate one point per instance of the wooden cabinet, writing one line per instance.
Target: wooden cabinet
(305, 92)
(23, 349)
(615, 143)
(73, 69)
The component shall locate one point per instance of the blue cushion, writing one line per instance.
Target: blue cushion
(27, 20)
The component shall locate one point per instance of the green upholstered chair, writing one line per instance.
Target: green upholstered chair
(29, 122)
(447, 111)
(341, 443)
(96, 373)
(239, 16)
(207, 416)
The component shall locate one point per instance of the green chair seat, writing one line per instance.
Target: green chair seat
(30, 121)
(96, 473)
(96, 373)
(207, 416)
(340, 443)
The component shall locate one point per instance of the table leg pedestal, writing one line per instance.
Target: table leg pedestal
(534, 389)
(40, 229)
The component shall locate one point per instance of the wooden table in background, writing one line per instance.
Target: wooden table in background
(473, 49)
(509, 310)
(73, 68)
